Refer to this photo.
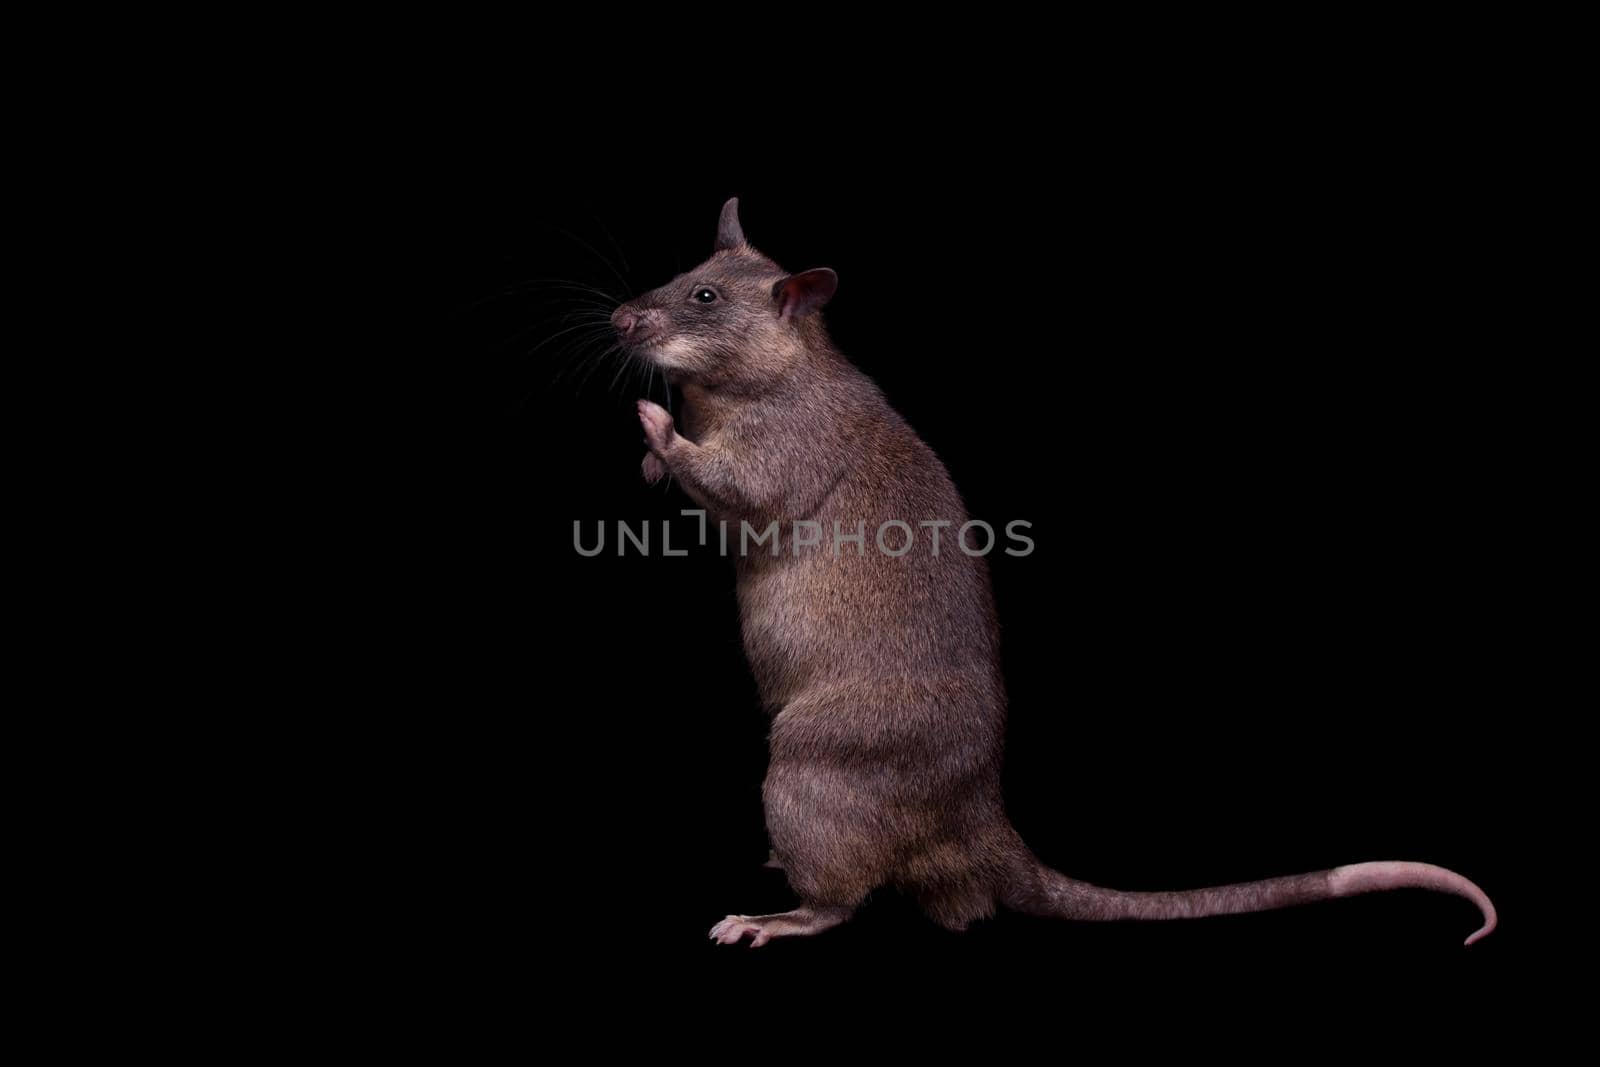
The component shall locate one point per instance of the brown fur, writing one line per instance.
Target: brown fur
(880, 672)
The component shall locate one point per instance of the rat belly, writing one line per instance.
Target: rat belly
(820, 619)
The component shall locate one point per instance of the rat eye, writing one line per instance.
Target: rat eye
(705, 296)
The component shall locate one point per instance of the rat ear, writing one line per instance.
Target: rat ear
(729, 232)
(801, 294)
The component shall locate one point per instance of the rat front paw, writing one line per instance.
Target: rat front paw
(654, 469)
(658, 429)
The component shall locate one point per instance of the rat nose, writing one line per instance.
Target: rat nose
(625, 321)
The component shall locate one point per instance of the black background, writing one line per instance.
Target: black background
(1239, 381)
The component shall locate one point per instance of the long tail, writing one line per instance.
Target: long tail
(1042, 891)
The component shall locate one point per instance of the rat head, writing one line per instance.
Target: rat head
(736, 319)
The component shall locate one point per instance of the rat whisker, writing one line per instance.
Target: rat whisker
(570, 287)
(597, 362)
(620, 254)
(582, 353)
(559, 334)
(627, 364)
(594, 252)
(579, 352)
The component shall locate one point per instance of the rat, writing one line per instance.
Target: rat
(879, 671)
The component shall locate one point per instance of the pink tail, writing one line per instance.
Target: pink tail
(1398, 874)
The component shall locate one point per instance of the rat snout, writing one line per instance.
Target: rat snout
(633, 324)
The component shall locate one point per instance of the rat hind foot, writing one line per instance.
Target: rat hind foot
(800, 922)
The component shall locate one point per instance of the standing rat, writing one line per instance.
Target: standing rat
(880, 671)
